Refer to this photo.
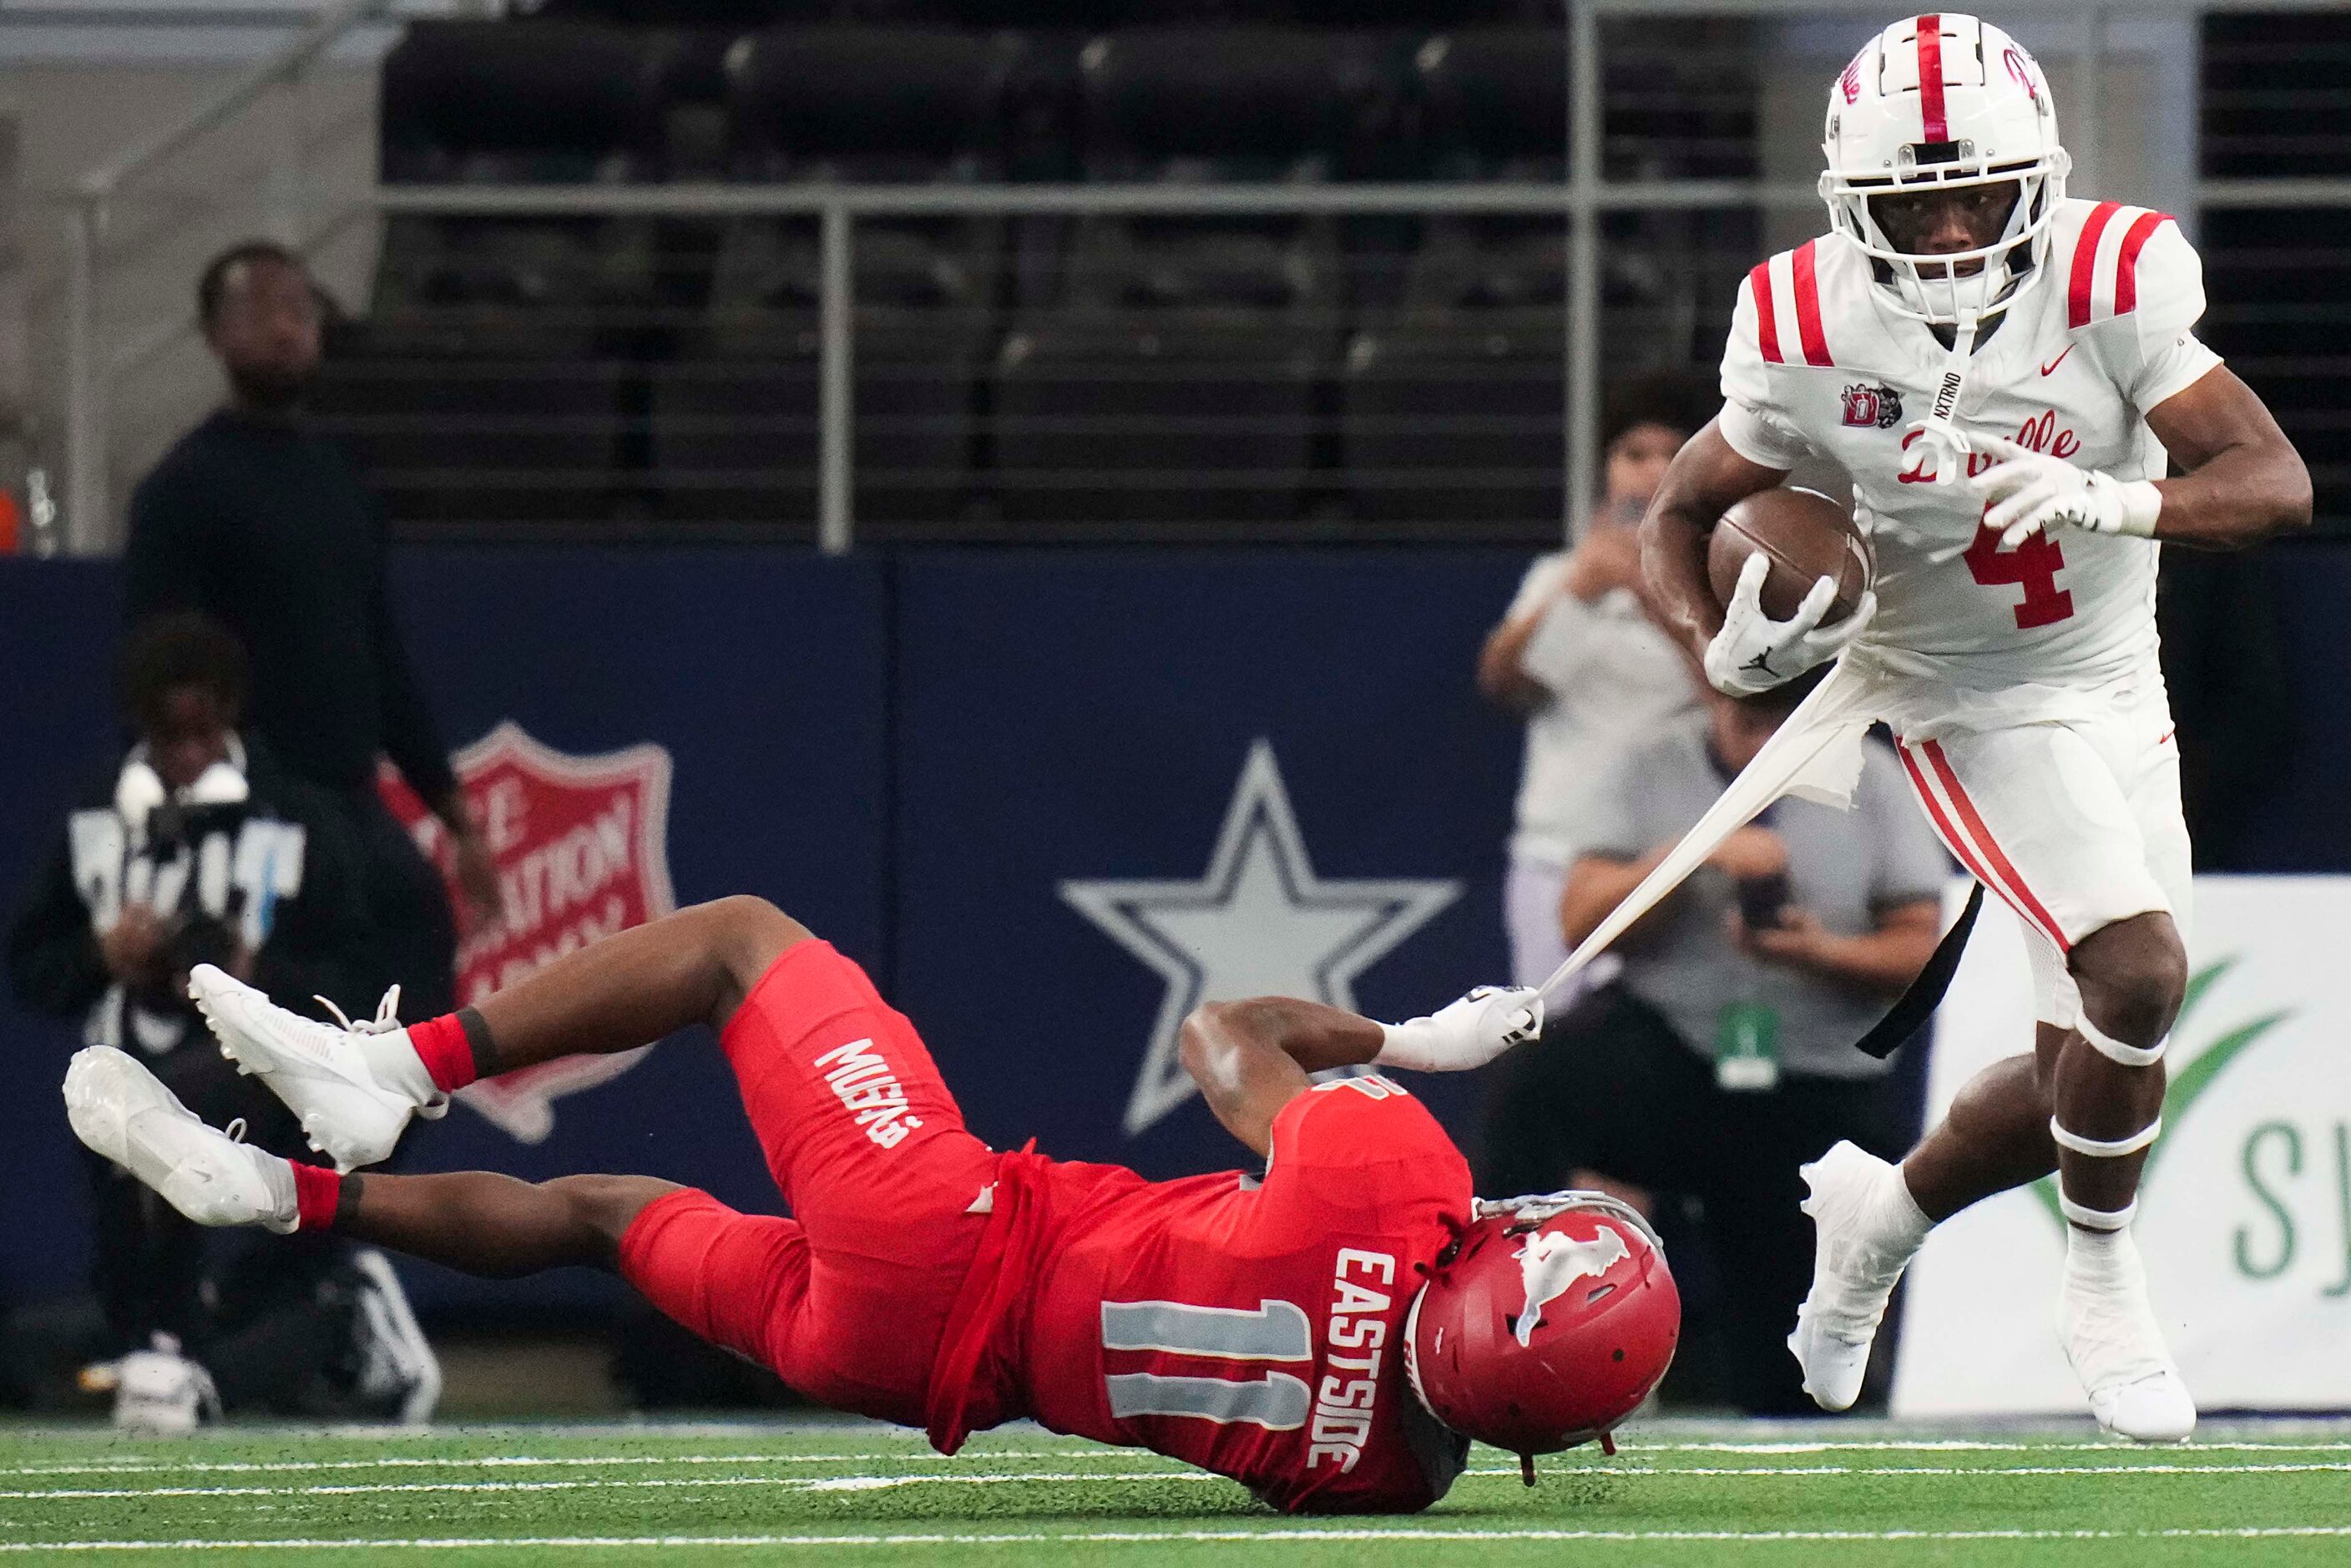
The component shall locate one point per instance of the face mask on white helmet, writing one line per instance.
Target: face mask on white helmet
(1940, 133)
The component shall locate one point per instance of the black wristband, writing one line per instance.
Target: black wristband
(477, 1037)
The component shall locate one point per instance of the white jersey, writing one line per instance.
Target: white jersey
(1818, 366)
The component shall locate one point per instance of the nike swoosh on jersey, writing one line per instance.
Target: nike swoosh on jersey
(2058, 360)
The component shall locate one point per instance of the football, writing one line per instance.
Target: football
(1807, 537)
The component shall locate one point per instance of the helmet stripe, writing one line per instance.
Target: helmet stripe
(1930, 78)
(1767, 323)
(2127, 266)
(2085, 264)
(1807, 307)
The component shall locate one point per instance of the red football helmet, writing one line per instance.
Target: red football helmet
(1544, 1323)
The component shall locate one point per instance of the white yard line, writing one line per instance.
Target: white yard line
(780, 1484)
(1064, 1456)
(1147, 1536)
(548, 1461)
(1986, 1470)
(1967, 1444)
(1030, 1478)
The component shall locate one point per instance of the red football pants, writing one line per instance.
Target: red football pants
(847, 1299)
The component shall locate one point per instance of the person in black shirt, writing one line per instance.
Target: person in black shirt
(265, 525)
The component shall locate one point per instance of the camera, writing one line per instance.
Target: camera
(200, 939)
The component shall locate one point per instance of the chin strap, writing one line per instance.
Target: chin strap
(1946, 444)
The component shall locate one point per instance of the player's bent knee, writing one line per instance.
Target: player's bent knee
(754, 931)
(601, 1208)
(2133, 975)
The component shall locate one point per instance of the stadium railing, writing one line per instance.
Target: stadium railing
(1581, 201)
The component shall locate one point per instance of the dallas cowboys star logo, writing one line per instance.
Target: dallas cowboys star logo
(1260, 922)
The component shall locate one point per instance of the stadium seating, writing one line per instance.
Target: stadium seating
(485, 384)
(1173, 378)
(1452, 399)
(481, 442)
(734, 431)
(1035, 374)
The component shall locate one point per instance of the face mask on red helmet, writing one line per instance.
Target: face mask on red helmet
(1544, 1323)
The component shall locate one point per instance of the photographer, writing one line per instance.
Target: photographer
(1722, 1058)
(199, 850)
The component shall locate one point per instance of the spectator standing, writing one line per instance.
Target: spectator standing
(1577, 655)
(1722, 1055)
(198, 849)
(261, 524)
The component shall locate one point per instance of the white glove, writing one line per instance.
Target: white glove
(2033, 492)
(1753, 653)
(1468, 1033)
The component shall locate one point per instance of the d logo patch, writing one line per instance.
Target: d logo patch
(1872, 407)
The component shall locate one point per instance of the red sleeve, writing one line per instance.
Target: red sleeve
(1360, 1153)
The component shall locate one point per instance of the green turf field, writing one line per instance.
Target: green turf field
(1851, 1493)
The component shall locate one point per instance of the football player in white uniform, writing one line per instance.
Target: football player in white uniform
(2003, 372)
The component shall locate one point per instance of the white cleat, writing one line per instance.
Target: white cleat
(123, 1112)
(1854, 1274)
(2111, 1336)
(317, 1068)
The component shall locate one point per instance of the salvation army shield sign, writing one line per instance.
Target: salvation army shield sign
(582, 851)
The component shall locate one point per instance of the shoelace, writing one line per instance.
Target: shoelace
(235, 1130)
(386, 1020)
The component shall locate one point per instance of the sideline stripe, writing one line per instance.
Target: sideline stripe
(1110, 1455)
(1990, 846)
(250, 1466)
(2085, 263)
(1767, 322)
(780, 1483)
(1021, 1478)
(2135, 240)
(1808, 307)
(1968, 1444)
(1952, 839)
(1272, 1534)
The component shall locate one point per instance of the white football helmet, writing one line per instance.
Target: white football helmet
(1941, 101)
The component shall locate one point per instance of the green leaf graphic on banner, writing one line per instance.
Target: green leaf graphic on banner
(2189, 1084)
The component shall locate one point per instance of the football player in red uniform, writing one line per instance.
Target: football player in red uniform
(1330, 1333)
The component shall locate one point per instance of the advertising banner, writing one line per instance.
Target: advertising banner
(1053, 799)
(2245, 1216)
(581, 845)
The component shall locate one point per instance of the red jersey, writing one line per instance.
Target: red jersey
(1253, 1326)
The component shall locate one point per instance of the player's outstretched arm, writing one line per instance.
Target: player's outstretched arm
(1707, 479)
(1251, 1058)
(2244, 481)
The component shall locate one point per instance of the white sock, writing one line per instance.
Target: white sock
(285, 1206)
(1895, 1219)
(393, 1062)
(2104, 1262)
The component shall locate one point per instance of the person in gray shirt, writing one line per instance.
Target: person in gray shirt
(1723, 1055)
(1579, 659)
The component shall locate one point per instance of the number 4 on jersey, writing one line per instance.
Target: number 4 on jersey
(2033, 566)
